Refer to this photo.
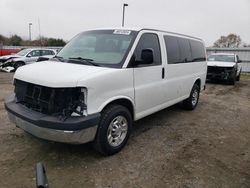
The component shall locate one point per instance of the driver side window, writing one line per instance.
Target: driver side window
(148, 41)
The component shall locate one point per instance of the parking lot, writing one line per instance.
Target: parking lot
(207, 147)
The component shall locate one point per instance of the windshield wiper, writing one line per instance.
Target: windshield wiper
(59, 58)
(86, 60)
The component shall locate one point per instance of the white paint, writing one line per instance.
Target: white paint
(143, 86)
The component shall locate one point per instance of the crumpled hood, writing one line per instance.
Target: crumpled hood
(9, 56)
(56, 74)
(220, 64)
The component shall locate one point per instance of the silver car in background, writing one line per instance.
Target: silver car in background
(27, 56)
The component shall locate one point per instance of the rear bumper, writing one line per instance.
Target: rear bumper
(74, 130)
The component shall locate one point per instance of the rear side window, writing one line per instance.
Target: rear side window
(198, 51)
(173, 50)
(185, 50)
(47, 52)
(149, 40)
(181, 50)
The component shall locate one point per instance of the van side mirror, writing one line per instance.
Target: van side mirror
(147, 56)
(239, 61)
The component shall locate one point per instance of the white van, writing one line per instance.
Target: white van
(102, 81)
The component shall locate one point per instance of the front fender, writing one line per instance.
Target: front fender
(107, 102)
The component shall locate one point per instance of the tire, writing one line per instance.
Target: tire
(191, 102)
(18, 64)
(113, 119)
(232, 80)
(238, 77)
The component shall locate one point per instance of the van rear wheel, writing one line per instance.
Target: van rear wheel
(191, 102)
(113, 131)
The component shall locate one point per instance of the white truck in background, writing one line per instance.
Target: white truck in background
(224, 66)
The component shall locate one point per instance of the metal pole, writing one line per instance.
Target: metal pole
(123, 13)
(30, 24)
(39, 31)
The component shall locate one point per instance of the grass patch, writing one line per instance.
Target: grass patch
(245, 76)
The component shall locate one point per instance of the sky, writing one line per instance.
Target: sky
(206, 19)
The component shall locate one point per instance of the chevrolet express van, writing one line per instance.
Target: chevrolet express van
(102, 81)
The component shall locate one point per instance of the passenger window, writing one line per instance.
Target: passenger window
(44, 52)
(35, 53)
(148, 40)
(173, 50)
(185, 50)
(198, 51)
(47, 52)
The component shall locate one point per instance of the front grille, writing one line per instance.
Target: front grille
(45, 99)
(217, 70)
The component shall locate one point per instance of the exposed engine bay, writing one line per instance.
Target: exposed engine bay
(61, 102)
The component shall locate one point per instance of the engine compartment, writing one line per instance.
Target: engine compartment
(50, 101)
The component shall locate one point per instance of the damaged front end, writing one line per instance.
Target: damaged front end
(60, 102)
(8, 66)
(220, 73)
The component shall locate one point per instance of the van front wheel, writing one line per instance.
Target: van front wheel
(191, 102)
(114, 129)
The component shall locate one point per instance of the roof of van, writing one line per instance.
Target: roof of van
(148, 29)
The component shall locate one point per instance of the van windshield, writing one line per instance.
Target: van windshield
(107, 48)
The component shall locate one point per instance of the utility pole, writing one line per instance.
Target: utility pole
(123, 13)
(30, 24)
(39, 28)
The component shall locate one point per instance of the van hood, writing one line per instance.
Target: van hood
(56, 74)
(220, 64)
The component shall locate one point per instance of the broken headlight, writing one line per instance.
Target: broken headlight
(80, 107)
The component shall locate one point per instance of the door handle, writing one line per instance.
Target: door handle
(163, 73)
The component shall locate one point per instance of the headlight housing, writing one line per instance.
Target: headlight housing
(9, 62)
(80, 107)
(62, 102)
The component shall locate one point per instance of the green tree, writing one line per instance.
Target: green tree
(56, 42)
(15, 40)
(3, 40)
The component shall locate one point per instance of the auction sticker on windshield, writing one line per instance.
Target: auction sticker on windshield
(122, 32)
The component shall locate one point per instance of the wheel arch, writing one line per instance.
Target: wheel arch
(198, 82)
(19, 61)
(122, 100)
